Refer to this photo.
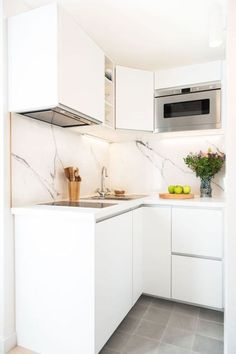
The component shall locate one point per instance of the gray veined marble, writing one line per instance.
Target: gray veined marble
(46, 184)
(40, 152)
(150, 166)
(163, 159)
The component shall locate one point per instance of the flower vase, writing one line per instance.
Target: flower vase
(205, 188)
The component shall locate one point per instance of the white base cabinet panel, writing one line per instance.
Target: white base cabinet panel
(76, 279)
(197, 231)
(157, 251)
(113, 284)
(137, 253)
(54, 272)
(197, 281)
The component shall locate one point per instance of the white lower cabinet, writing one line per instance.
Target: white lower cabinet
(183, 260)
(113, 275)
(197, 231)
(137, 253)
(99, 270)
(157, 251)
(197, 280)
(197, 255)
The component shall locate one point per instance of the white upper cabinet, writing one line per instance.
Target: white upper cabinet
(188, 75)
(134, 99)
(53, 61)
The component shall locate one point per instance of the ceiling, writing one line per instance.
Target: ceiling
(148, 34)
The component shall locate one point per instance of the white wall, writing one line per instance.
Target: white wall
(7, 315)
(230, 317)
(7, 325)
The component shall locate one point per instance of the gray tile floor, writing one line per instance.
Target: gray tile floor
(156, 326)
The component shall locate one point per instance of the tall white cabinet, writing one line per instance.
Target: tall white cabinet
(134, 99)
(53, 61)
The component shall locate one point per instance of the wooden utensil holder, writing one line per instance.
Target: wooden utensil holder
(74, 190)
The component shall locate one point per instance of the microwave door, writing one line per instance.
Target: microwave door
(198, 110)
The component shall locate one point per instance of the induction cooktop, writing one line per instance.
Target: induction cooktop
(79, 204)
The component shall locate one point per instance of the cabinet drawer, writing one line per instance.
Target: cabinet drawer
(197, 231)
(197, 281)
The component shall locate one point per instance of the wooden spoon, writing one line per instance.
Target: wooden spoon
(69, 172)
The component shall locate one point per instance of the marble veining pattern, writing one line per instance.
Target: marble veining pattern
(39, 154)
(150, 166)
(41, 151)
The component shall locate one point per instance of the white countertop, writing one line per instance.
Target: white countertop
(118, 207)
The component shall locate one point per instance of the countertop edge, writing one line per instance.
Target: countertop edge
(118, 207)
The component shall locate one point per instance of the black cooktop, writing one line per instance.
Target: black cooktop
(97, 205)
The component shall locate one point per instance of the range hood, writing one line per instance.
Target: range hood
(61, 116)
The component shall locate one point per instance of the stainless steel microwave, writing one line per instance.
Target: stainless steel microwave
(188, 108)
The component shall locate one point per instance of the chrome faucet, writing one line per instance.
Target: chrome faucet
(103, 191)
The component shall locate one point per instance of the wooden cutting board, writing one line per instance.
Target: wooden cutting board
(175, 196)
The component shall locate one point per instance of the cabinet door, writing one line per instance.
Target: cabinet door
(197, 231)
(113, 268)
(134, 99)
(32, 59)
(81, 69)
(157, 251)
(137, 253)
(188, 75)
(197, 281)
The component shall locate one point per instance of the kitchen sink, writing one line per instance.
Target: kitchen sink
(114, 197)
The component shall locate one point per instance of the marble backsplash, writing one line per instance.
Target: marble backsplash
(40, 152)
(149, 166)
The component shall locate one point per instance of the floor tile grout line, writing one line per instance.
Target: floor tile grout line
(209, 337)
(148, 305)
(134, 333)
(203, 319)
(185, 314)
(166, 326)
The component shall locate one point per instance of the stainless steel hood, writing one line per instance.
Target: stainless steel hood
(61, 116)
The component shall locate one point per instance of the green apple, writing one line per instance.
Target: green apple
(186, 189)
(178, 189)
(171, 189)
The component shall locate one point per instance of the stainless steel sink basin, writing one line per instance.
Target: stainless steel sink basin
(114, 197)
